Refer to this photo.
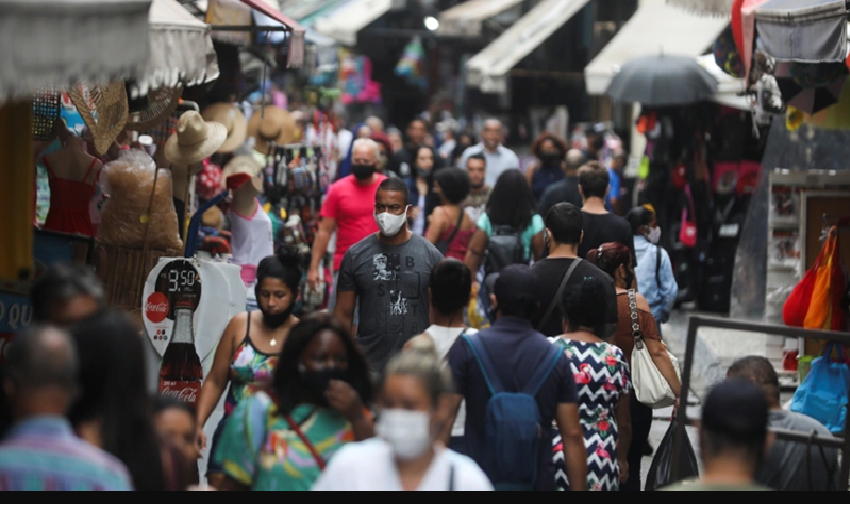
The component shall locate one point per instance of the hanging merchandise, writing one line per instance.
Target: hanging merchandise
(233, 120)
(104, 109)
(688, 232)
(271, 126)
(356, 80)
(411, 66)
(250, 227)
(815, 302)
(726, 54)
(823, 394)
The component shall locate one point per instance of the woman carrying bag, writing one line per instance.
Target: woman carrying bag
(633, 310)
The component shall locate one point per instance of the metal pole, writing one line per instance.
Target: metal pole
(679, 439)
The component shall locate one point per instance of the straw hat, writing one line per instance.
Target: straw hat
(277, 126)
(194, 139)
(233, 119)
(240, 170)
(161, 103)
(110, 104)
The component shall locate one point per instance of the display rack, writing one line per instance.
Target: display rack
(792, 436)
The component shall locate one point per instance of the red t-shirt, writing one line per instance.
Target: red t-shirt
(351, 205)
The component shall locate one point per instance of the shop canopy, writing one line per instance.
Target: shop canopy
(655, 28)
(811, 31)
(720, 8)
(466, 18)
(343, 24)
(489, 69)
(232, 21)
(56, 43)
(181, 49)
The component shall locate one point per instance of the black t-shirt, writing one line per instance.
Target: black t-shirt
(549, 273)
(603, 228)
(517, 351)
(565, 190)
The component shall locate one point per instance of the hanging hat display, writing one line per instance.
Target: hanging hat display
(271, 124)
(160, 104)
(109, 102)
(240, 170)
(194, 139)
(233, 119)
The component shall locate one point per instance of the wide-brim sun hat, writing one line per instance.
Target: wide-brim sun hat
(239, 171)
(110, 106)
(233, 119)
(271, 125)
(194, 140)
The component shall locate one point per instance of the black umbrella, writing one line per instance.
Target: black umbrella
(662, 80)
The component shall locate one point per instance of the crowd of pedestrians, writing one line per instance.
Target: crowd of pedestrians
(394, 388)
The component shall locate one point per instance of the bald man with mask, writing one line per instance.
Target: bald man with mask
(499, 158)
(565, 190)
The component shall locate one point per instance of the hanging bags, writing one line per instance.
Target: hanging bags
(813, 302)
(651, 388)
(823, 394)
(688, 231)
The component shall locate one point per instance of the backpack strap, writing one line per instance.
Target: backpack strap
(494, 384)
(556, 300)
(658, 266)
(543, 372)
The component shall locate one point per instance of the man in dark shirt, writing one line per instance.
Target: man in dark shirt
(563, 235)
(599, 225)
(517, 351)
(565, 190)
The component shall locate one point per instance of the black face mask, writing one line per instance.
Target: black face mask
(550, 159)
(317, 382)
(362, 172)
(276, 320)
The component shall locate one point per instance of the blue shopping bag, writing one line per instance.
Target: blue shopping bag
(823, 394)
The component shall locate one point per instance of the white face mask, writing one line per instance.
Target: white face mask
(391, 224)
(407, 431)
(654, 235)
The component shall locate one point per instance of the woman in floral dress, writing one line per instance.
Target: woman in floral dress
(603, 384)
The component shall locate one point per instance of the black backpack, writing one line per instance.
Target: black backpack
(504, 248)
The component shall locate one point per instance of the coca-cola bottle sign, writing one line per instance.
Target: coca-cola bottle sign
(157, 307)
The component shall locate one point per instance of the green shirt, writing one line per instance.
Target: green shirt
(699, 486)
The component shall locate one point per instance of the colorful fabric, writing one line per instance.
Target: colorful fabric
(43, 454)
(602, 378)
(250, 370)
(259, 450)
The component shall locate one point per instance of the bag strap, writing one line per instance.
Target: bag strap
(297, 429)
(691, 207)
(494, 384)
(658, 266)
(457, 225)
(451, 477)
(558, 294)
(633, 312)
(543, 372)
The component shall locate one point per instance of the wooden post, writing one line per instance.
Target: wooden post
(17, 192)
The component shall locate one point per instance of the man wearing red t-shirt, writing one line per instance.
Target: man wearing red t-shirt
(348, 210)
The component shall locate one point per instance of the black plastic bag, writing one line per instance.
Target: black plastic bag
(660, 471)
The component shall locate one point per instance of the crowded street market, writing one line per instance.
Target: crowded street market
(425, 245)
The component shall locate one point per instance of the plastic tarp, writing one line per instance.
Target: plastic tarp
(810, 31)
(489, 69)
(655, 28)
(56, 43)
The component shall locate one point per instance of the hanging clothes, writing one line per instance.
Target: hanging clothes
(69, 203)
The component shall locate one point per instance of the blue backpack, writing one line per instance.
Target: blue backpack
(512, 429)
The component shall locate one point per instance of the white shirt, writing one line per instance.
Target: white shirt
(370, 466)
(497, 162)
(444, 338)
(251, 236)
(343, 142)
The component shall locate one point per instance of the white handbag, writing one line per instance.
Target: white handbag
(651, 388)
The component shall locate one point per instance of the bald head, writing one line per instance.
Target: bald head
(375, 123)
(575, 159)
(42, 357)
(492, 134)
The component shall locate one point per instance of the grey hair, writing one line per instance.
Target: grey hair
(43, 356)
(494, 120)
(421, 361)
(375, 119)
(371, 144)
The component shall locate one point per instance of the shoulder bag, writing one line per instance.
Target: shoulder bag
(651, 388)
(558, 294)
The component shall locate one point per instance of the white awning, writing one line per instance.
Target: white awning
(489, 68)
(465, 19)
(181, 48)
(656, 27)
(56, 43)
(344, 23)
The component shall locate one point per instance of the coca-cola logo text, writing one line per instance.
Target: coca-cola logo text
(182, 391)
(156, 307)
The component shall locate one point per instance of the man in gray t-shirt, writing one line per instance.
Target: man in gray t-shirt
(786, 467)
(390, 272)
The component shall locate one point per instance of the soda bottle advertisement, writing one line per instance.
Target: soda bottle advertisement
(177, 281)
(181, 373)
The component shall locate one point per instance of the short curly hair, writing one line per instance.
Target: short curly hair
(560, 143)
